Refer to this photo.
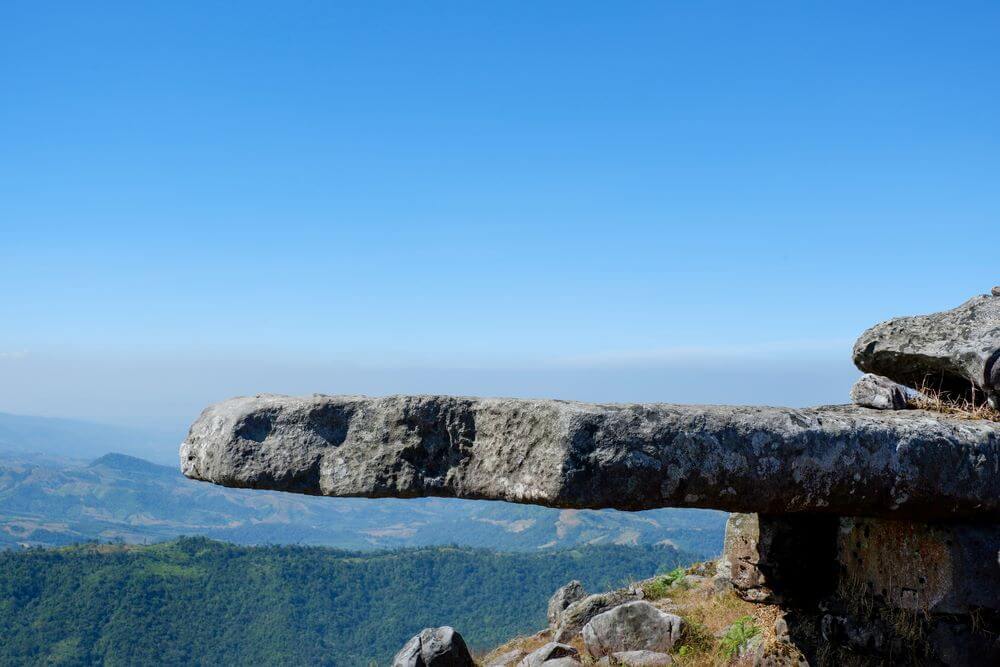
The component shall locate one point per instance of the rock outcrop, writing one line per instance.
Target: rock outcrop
(579, 613)
(843, 460)
(562, 598)
(633, 626)
(435, 647)
(955, 351)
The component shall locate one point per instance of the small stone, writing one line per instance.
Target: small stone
(996, 291)
(693, 580)
(881, 393)
(781, 629)
(752, 648)
(552, 654)
(721, 583)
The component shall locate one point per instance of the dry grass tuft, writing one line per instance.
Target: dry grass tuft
(706, 616)
(934, 400)
(528, 644)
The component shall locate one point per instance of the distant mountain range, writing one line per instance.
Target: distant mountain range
(50, 500)
(85, 440)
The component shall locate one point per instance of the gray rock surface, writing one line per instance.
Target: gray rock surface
(844, 460)
(578, 614)
(954, 350)
(880, 393)
(780, 558)
(507, 659)
(938, 568)
(562, 598)
(633, 626)
(553, 654)
(636, 659)
(434, 647)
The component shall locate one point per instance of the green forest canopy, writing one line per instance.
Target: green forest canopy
(197, 601)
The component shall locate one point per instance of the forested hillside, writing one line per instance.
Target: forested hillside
(196, 601)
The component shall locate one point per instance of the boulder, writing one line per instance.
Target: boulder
(954, 351)
(880, 393)
(633, 626)
(562, 598)
(842, 460)
(435, 647)
(579, 613)
(553, 654)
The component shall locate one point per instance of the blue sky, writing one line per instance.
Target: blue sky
(639, 201)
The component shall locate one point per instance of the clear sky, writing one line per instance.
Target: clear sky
(610, 201)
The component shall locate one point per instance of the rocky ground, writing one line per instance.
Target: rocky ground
(715, 628)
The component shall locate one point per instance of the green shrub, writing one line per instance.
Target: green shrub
(738, 633)
(659, 587)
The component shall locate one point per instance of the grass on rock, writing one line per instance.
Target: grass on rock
(715, 624)
(934, 400)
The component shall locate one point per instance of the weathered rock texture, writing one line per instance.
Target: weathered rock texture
(841, 460)
(874, 591)
(955, 351)
(780, 559)
(875, 391)
(937, 568)
(633, 626)
(636, 659)
(552, 654)
(579, 613)
(562, 598)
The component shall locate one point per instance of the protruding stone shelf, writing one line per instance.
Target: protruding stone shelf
(957, 350)
(842, 460)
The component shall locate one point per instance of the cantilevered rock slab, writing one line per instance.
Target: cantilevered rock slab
(844, 460)
(955, 351)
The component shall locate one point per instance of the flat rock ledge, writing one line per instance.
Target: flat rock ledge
(843, 460)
